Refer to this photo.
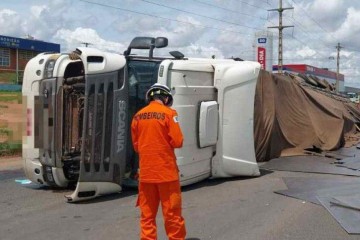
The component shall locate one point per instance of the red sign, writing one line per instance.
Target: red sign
(261, 56)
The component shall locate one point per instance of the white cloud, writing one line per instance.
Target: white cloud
(349, 31)
(305, 51)
(72, 22)
(7, 12)
(37, 10)
(139, 25)
(73, 39)
(10, 23)
(327, 7)
(202, 51)
(345, 53)
(233, 44)
(183, 32)
(41, 21)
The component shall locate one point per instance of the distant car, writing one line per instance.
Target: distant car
(354, 97)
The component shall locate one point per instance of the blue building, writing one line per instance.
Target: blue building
(16, 52)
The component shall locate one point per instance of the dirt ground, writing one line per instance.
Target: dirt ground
(11, 117)
(11, 122)
(10, 162)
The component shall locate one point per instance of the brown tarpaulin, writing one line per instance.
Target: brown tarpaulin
(291, 117)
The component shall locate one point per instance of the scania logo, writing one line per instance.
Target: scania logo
(120, 133)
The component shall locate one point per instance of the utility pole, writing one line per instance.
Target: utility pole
(338, 47)
(280, 27)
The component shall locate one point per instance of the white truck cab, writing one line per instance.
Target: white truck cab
(79, 108)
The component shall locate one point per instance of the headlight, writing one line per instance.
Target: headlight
(49, 68)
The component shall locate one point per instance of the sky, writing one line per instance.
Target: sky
(197, 28)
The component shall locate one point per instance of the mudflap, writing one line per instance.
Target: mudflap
(105, 131)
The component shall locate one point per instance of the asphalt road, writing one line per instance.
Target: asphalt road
(228, 209)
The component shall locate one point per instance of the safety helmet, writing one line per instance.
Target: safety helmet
(159, 90)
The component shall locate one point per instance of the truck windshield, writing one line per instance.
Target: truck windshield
(142, 74)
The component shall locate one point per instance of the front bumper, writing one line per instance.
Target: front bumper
(34, 171)
(45, 175)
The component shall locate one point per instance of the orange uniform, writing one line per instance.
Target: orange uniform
(155, 133)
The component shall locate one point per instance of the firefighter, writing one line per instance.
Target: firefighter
(155, 133)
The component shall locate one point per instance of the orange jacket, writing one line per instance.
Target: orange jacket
(155, 133)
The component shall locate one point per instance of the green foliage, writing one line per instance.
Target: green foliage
(5, 131)
(10, 148)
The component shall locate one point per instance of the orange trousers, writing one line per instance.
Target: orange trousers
(169, 194)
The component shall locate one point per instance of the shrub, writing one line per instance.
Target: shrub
(10, 148)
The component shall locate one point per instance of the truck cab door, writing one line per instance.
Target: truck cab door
(105, 130)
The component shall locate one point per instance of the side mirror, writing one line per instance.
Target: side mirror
(161, 42)
(146, 43)
(142, 43)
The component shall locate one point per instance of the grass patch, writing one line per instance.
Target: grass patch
(6, 77)
(5, 131)
(11, 97)
(10, 148)
(6, 92)
(9, 92)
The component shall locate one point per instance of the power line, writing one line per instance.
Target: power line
(338, 47)
(251, 5)
(303, 43)
(169, 19)
(229, 10)
(353, 49)
(196, 14)
(266, 1)
(313, 19)
(302, 29)
(292, 37)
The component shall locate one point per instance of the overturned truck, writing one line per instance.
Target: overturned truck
(233, 115)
